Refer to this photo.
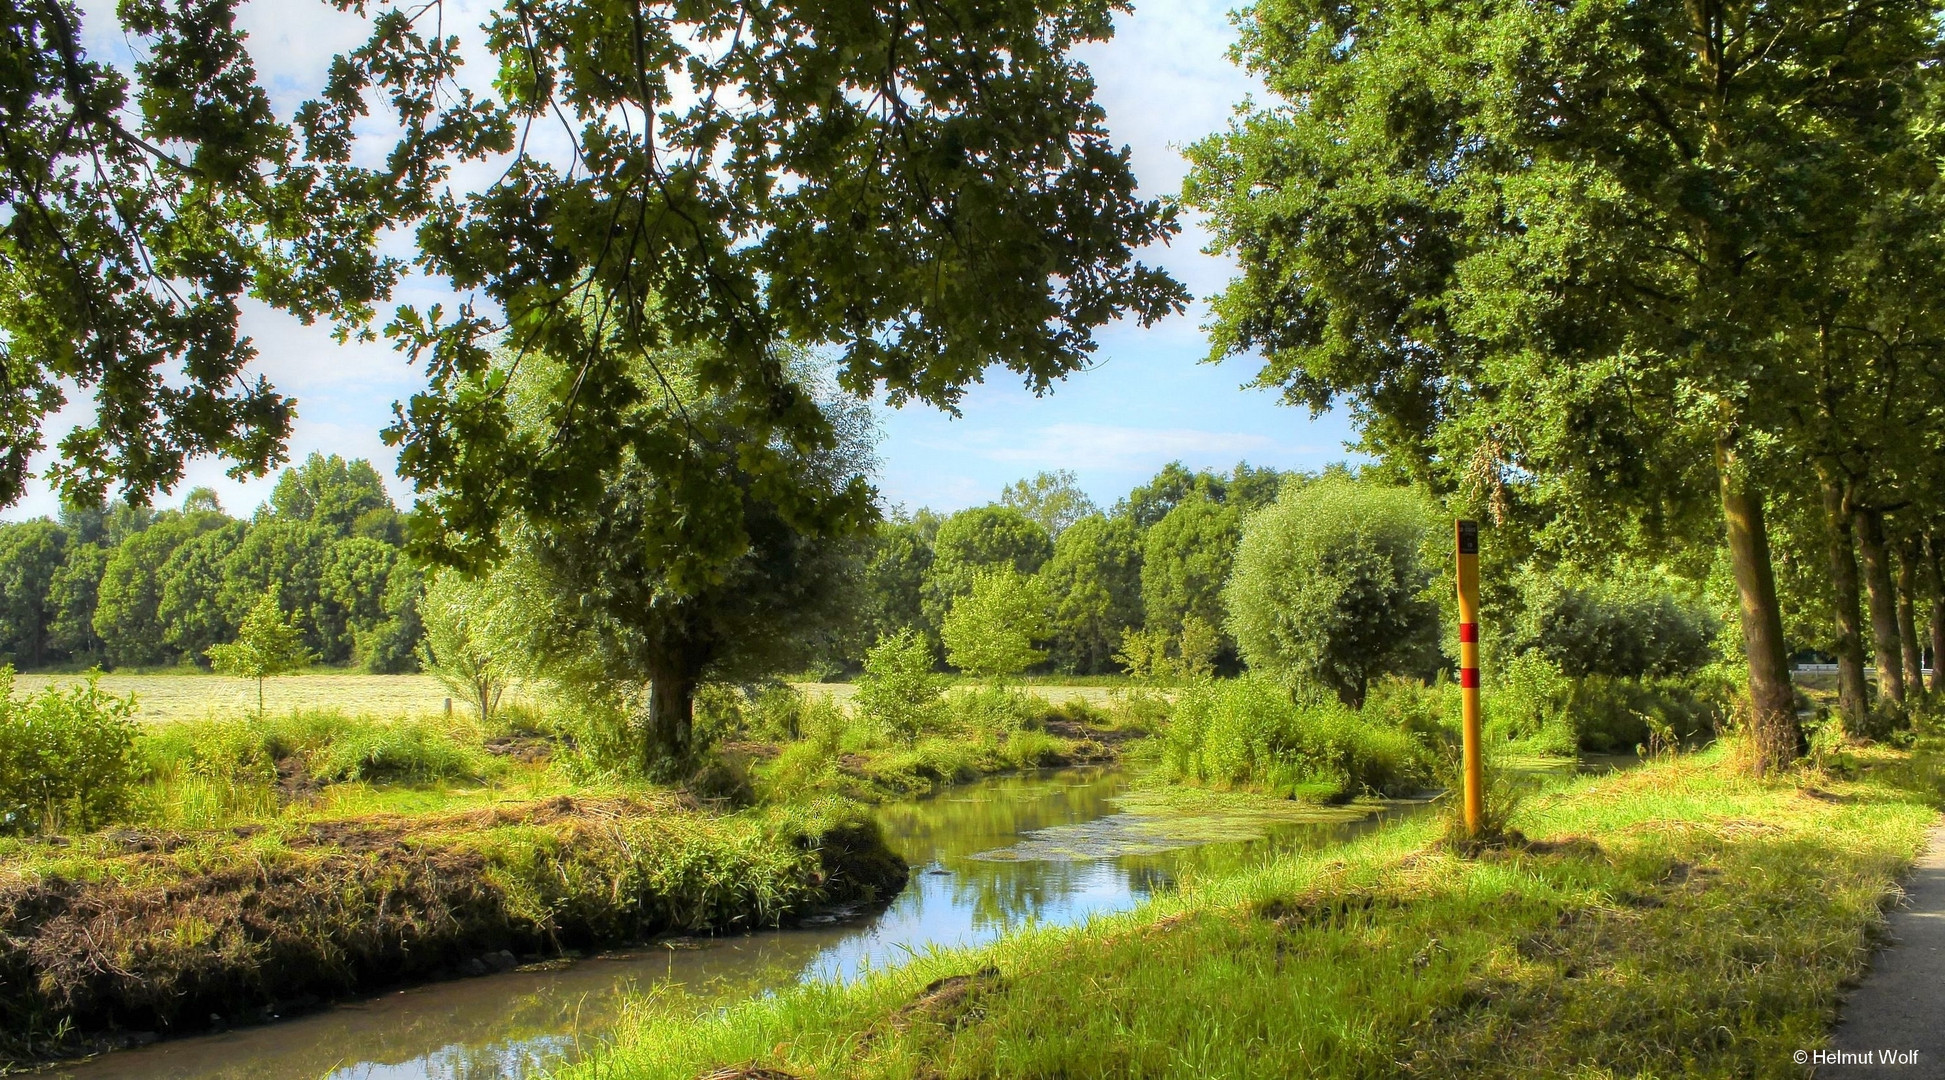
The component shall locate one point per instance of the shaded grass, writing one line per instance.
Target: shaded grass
(1674, 920)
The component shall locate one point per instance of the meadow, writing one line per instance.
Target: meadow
(193, 694)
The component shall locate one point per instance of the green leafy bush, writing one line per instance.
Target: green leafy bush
(899, 690)
(1250, 733)
(1622, 626)
(65, 757)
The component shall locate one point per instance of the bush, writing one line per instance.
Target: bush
(65, 760)
(1328, 587)
(1250, 733)
(899, 690)
(1630, 626)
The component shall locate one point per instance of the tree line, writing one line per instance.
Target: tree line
(128, 586)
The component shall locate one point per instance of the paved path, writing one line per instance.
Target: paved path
(1901, 1006)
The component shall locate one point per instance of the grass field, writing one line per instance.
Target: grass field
(197, 696)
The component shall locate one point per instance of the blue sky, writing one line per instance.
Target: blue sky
(1164, 80)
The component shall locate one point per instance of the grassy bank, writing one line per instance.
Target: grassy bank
(797, 746)
(1679, 919)
(258, 866)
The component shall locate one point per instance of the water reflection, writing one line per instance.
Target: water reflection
(513, 1025)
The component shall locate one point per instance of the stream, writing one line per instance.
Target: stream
(988, 857)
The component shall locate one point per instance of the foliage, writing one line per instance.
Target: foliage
(899, 690)
(65, 761)
(1249, 733)
(266, 644)
(977, 539)
(1328, 587)
(32, 554)
(1185, 560)
(1094, 579)
(1052, 500)
(463, 646)
(1621, 628)
(895, 573)
(990, 632)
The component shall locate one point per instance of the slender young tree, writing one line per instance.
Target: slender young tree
(266, 644)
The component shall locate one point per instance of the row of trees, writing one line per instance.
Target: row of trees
(1154, 564)
(1651, 279)
(125, 586)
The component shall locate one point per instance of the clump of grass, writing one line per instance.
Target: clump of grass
(1252, 733)
(409, 751)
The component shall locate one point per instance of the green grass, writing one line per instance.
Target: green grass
(1676, 920)
(978, 732)
(306, 856)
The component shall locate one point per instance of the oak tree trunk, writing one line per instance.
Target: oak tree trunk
(1914, 655)
(1937, 581)
(671, 719)
(1853, 701)
(1883, 603)
(1775, 734)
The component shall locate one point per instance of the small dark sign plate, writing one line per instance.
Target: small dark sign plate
(1468, 538)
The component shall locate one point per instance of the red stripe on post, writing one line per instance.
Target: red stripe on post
(1469, 631)
(1469, 677)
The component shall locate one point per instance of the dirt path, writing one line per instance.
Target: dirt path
(1901, 1006)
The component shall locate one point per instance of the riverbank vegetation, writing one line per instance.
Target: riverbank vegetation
(1574, 940)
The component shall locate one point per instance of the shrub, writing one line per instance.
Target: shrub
(990, 632)
(65, 759)
(1328, 587)
(1528, 703)
(1250, 733)
(1630, 626)
(899, 691)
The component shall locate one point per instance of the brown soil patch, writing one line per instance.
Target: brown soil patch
(951, 1002)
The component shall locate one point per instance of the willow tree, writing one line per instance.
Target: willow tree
(1564, 244)
(697, 567)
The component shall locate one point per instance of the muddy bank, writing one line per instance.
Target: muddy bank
(128, 936)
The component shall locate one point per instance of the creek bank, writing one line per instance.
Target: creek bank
(122, 936)
(1395, 953)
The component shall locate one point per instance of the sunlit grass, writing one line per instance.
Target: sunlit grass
(1679, 919)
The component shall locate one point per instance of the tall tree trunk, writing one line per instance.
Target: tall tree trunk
(1853, 702)
(1914, 656)
(1884, 605)
(671, 718)
(1776, 736)
(1937, 582)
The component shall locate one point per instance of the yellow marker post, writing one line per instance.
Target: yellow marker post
(1475, 772)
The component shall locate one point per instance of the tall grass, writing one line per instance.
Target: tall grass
(211, 773)
(1252, 733)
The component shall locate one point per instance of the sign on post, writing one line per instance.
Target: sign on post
(1475, 773)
